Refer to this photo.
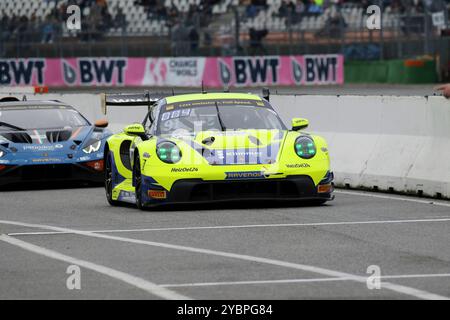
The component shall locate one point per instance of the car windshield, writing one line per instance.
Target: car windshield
(228, 117)
(41, 117)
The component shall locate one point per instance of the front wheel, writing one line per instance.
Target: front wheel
(109, 180)
(137, 175)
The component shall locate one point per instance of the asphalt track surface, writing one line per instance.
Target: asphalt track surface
(239, 251)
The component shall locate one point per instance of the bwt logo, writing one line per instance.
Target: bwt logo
(374, 20)
(74, 20)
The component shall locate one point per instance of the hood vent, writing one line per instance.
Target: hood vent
(58, 136)
(18, 137)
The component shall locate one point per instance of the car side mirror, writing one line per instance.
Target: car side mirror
(299, 124)
(103, 123)
(135, 129)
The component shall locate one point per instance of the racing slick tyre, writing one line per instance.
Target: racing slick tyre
(137, 176)
(109, 180)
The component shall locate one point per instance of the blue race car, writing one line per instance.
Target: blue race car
(44, 141)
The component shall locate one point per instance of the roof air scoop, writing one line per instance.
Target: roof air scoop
(208, 141)
(254, 140)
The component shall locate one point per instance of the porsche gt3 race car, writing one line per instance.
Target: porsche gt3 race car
(44, 141)
(213, 147)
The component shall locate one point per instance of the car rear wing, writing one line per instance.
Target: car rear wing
(129, 100)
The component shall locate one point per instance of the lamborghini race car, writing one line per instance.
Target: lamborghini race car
(44, 141)
(213, 147)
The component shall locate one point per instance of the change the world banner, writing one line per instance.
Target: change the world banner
(217, 72)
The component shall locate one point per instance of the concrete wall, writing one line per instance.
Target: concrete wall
(398, 143)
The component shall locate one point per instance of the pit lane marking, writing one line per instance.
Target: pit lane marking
(140, 283)
(250, 226)
(292, 281)
(417, 293)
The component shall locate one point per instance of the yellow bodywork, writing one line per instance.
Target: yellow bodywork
(193, 165)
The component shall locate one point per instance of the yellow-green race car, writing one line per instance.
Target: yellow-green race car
(213, 147)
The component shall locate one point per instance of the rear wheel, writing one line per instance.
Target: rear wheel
(109, 180)
(138, 182)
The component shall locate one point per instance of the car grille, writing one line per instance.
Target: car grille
(199, 190)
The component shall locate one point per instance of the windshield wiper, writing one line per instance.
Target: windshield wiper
(4, 124)
(220, 118)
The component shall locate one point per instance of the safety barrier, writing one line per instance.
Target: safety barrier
(388, 143)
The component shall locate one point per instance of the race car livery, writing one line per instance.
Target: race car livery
(44, 141)
(213, 147)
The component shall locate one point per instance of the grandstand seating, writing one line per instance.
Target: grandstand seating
(140, 24)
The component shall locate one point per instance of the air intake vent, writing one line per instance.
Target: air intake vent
(18, 137)
(58, 136)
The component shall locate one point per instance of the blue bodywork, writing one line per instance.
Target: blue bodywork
(52, 154)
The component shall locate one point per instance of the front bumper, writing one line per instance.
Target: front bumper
(76, 172)
(291, 188)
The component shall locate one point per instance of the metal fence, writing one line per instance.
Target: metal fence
(338, 30)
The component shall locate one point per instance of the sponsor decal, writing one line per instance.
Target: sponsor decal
(126, 196)
(46, 160)
(298, 165)
(192, 169)
(221, 154)
(42, 148)
(157, 194)
(22, 71)
(213, 72)
(244, 175)
(182, 67)
(104, 71)
(321, 69)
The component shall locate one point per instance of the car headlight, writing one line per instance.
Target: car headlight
(92, 146)
(2, 153)
(305, 147)
(168, 152)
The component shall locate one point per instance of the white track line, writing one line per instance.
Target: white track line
(312, 224)
(289, 281)
(398, 198)
(140, 283)
(325, 272)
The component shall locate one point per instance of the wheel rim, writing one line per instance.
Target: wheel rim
(108, 178)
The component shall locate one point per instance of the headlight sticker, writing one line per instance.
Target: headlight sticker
(93, 147)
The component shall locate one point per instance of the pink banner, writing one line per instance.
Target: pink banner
(214, 72)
